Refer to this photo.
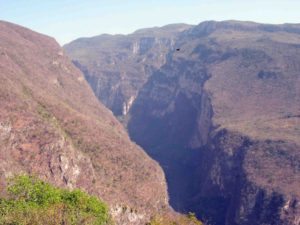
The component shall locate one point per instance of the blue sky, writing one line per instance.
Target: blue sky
(67, 20)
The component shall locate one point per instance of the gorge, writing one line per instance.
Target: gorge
(217, 105)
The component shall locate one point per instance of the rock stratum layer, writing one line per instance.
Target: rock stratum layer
(221, 114)
(52, 126)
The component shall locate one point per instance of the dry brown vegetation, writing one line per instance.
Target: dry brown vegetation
(52, 125)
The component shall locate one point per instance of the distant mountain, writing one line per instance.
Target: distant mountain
(52, 126)
(117, 66)
(218, 108)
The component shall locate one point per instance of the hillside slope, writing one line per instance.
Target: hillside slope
(53, 126)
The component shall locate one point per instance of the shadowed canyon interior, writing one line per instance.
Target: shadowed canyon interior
(217, 105)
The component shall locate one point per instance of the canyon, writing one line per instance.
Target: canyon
(217, 105)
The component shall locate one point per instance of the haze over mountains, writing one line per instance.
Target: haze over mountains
(217, 105)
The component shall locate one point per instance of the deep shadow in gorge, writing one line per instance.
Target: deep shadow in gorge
(179, 163)
(172, 120)
(175, 138)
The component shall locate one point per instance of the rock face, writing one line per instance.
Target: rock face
(225, 109)
(52, 125)
(221, 115)
(117, 66)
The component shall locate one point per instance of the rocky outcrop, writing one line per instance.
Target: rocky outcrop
(52, 126)
(117, 66)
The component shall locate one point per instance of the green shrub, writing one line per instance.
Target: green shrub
(31, 201)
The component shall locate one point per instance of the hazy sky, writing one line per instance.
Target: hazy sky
(67, 20)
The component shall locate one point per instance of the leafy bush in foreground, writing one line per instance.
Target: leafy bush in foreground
(31, 201)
